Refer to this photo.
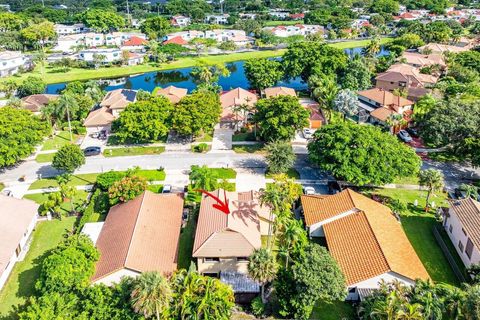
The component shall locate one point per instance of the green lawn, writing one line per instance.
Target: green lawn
(249, 148)
(45, 157)
(20, 285)
(224, 173)
(51, 76)
(333, 310)
(77, 180)
(185, 246)
(205, 137)
(406, 180)
(66, 206)
(418, 226)
(157, 188)
(244, 136)
(152, 175)
(2, 186)
(132, 151)
(61, 139)
(292, 173)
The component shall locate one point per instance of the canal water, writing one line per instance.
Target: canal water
(181, 78)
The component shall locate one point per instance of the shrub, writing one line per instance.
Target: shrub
(202, 147)
(126, 189)
(105, 180)
(258, 307)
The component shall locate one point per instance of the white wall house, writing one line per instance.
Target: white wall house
(11, 62)
(69, 43)
(111, 55)
(354, 228)
(19, 218)
(295, 30)
(217, 18)
(180, 21)
(278, 14)
(186, 35)
(221, 35)
(62, 29)
(462, 224)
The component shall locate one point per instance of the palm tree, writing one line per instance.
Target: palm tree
(372, 48)
(453, 302)
(151, 295)
(203, 178)
(262, 267)
(387, 309)
(471, 191)
(324, 90)
(292, 239)
(64, 104)
(433, 180)
(410, 312)
(395, 120)
(471, 306)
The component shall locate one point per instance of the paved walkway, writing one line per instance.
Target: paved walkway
(222, 139)
(250, 179)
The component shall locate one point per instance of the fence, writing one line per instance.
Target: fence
(447, 254)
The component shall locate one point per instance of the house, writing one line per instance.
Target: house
(248, 16)
(419, 60)
(295, 30)
(19, 217)
(365, 239)
(172, 93)
(135, 43)
(378, 105)
(185, 35)
(439, 48)
(117, 100)
(230, 101)
(404, 76)
(223, 242)
(93, 40)
(316, 118)
(140, 235)
(99, 120)
(36, 102)
(279, 14)
(101, 56)
(68, 43)
(176, 40)
(134, 58)
(62, 29)
(217, 18)
(239, 37)
(180, 21)
(11, 62)
(297, 16)
(279, 91)
(462, 224)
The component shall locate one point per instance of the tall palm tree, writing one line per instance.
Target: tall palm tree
(324, 90)
(64, 108)
(262, 267)
(433, 180)
(386, 309)
(203, 178)
(151, 295)
(372, 48)
(292, 238)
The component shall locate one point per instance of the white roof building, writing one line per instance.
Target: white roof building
(11, 62)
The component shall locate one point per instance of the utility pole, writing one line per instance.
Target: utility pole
(129, 18)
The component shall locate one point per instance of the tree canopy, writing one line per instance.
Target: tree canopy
(279, 117)
(20, 132)
(68, 158)
(156, 27)
(362, 154)
(263, 73)
(102, 20)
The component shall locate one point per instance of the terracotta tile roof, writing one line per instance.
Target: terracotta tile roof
(176, 40)
(235, 97)
(100, 117)
(423, 59)
(406, 72)
(279, 91)
(119, 99)
(468, 212)
(385, 98)
(366, 240)
(174, 94)
(35, 102)
(15, 216)
(234, 235)
(135, 41)
(141, 235)
(382, 113)
(441, 48)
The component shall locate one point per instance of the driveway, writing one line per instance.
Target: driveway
(250, 179)
(222, 139)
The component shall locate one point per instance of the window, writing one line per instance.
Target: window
(460, 246)
(450, 228)
(469, 249)
(211, 274)
(211, 259)
(242, 259)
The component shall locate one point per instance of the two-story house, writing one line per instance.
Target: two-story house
(11, 62)
(180, 21)
(462, 224)
(62, 29)
(217, 18)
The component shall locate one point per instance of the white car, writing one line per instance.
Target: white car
(308, 190)
(308, 133)
(167, 188)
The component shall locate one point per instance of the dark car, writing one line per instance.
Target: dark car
(413, 132)
(92, 151)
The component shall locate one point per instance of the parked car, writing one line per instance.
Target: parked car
(308, 133)
(308, 190)
(92, 151)
(413, 132)
(167, 188)
(404, 136)
(7, 193)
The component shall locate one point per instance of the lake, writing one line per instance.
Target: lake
(181, 78)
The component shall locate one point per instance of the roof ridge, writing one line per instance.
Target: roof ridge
(134, 227)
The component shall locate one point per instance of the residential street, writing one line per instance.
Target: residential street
(454, 173)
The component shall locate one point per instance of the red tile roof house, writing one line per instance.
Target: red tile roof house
(365, 238)
(139, 235)
(36, 102)
(223, 242)
(377, 105)
(462, 224)
(230, 101)
(18, 219)
(134, 44)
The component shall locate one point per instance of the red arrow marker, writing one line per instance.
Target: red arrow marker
(220, 205)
